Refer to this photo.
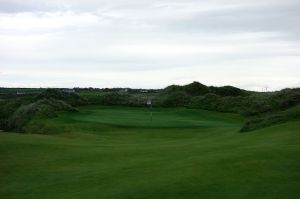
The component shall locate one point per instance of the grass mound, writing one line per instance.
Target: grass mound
(40, 108)
(266, 120)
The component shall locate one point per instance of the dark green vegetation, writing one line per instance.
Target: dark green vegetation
(261, 109)
(112, 149)
(117, 152)
(269, 119)
(39, 109)
(18, 109)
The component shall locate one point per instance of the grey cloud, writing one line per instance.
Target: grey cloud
(181, 40)
(17, 6)
(268, 18)
(186, 16)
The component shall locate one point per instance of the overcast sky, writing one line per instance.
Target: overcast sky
(250, 44)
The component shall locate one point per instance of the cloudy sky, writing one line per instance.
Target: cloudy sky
(252, 44)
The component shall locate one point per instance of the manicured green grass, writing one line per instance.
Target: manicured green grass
(114, 152)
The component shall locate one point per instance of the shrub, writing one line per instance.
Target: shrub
(41, 108)
(174, 99)
(196, 89)
(71, 98)
(227, 91)
(269, 119)
(115, 98)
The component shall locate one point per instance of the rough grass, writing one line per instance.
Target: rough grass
(270, 119)
(118, 153)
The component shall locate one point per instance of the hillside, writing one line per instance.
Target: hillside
(254, 106)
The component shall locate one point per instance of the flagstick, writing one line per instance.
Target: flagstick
(151, 112)
(150, 108)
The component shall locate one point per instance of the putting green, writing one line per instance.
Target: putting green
(141, 117)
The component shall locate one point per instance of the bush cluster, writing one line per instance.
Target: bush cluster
(40, 108)
(71, 98)
(265, 120)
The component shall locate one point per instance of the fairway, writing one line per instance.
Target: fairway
(119, 153)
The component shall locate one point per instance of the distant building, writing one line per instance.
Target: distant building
(124, 90)
(68, 90)
(20, 93)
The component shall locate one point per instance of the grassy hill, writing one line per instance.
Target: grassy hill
(118, 152)
(256, 106)
(269, 119)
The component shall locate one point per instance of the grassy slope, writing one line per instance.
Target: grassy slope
(119, 153)
(269, 119)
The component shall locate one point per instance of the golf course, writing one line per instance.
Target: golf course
(149, 99)
(125, 153)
